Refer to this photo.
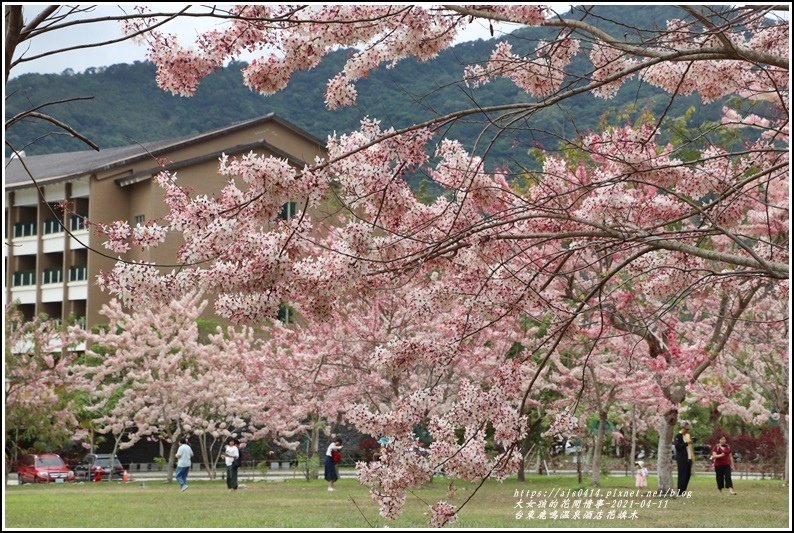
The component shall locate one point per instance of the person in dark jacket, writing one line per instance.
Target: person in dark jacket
(684, 456)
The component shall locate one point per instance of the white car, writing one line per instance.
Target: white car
(573, 446)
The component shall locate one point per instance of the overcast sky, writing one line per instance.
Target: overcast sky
(128, 52)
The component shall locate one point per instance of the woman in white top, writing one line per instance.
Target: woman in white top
(330, 464)
(231, 453)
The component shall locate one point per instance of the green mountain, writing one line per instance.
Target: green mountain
(127, 107)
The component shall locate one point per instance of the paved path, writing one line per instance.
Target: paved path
(245, 475)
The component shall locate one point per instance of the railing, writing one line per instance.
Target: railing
(78, 273)
(285, 313)
(24, 229)
(52, 275)
(288, 210)
(23, 277)
(76, 222)
(52, 225)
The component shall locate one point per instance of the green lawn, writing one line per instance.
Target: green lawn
(294, 503)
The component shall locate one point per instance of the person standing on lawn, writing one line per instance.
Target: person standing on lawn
(684, 456)
(183, 460)
(331, 474)
(722, 455)
(232, 456)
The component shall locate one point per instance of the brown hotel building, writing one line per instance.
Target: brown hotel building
(49, 271)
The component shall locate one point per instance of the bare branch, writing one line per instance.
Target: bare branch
(63, 126)
(16, 118)
(94, 45)
(734, 52)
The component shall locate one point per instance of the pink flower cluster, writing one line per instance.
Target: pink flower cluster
(442, 513)
(541, 76)
(340, 93)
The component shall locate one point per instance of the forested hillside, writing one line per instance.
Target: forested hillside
(128, 107)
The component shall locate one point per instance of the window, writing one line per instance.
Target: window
(76, 222)
(52, 275)
(23, 277)
(52, 225)
(24, 229)
(78, 273)
(288, 211)
(49, 460)
(140, 219)
(285, 314)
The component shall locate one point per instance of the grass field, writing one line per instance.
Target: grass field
(207, 504)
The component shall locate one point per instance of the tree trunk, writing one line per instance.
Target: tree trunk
(14, 23)
(312, 451)
(207, 458)
(599, 443)
(113, 457)
(633, 454)
(204, 455)
(664, 460)
(520, 474)
(784, 427)
(524, 449)
(172, 455)
(14, 455)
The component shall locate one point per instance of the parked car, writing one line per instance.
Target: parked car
(702, 451)
(643, 454)
(43, 468)
(94, 462)
(573, 446)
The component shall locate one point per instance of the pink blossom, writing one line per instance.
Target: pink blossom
(340, 93)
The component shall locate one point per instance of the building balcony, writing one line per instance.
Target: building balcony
(25, 294)
(27, 245)
(77, 290)
(52, 243)
(52, 285)
(53, 345)
(84, 239)
(52, 292)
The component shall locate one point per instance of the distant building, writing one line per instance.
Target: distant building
(49, 271)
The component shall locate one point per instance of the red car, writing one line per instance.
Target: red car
(43, 468)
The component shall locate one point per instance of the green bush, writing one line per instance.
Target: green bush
(309, 466)
(262, 467)
(161, 462)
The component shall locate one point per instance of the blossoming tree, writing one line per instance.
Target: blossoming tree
(671, 218)
(658, 218)
(751, 379)
(39, 407)
(389, 364)
(154, 379)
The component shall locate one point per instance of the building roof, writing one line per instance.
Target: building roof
(50, 168)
